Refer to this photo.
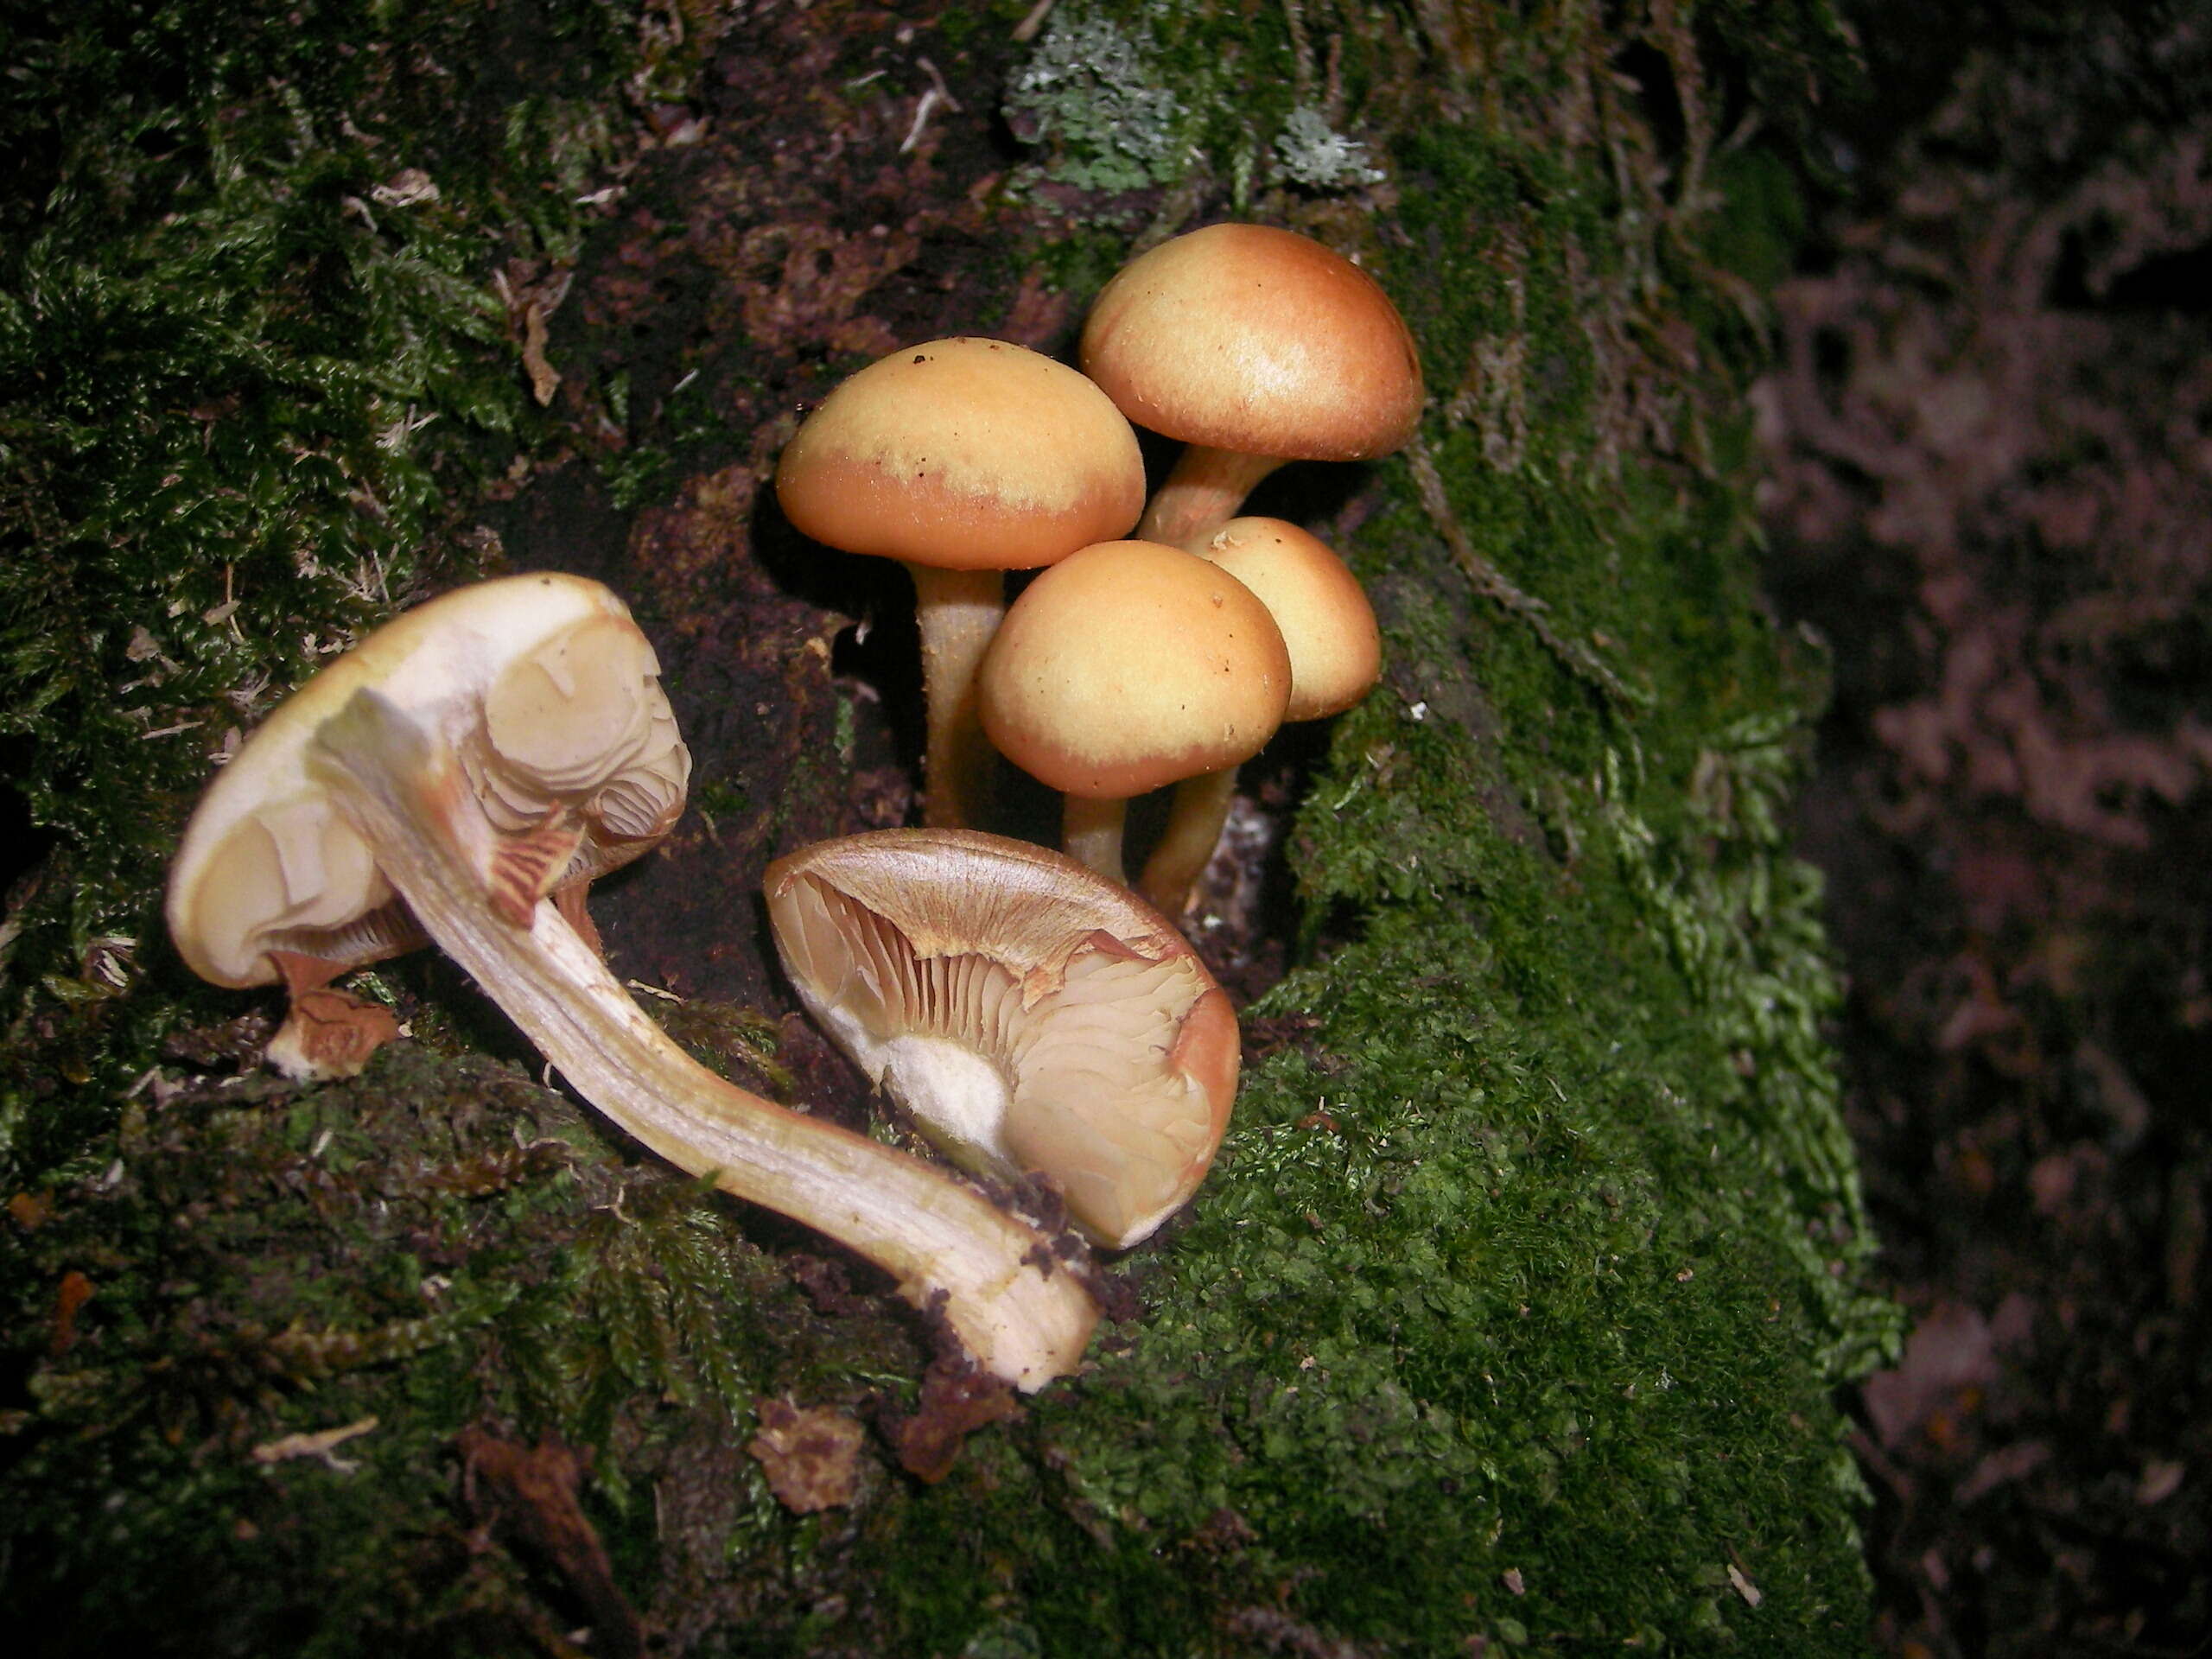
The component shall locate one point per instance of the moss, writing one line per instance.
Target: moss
(1514, 1309)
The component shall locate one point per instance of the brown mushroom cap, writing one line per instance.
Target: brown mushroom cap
(573, 719)
(1128, 665)
(1335, 649)
(1256, 341)
(1032, 1016)
(963, 453)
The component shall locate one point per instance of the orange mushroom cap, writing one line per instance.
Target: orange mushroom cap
(1129, 665)
(963, 453)
(1256, 341)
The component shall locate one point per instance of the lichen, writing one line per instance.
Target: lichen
(1097, 103)
(1309, 151)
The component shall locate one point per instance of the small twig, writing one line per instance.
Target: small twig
(322, 1445)
(1027, 28)
(1576, 658)
(937, 93)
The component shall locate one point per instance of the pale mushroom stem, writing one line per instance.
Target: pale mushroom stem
(402, 790)
(958, 611)
(1201, 493)
(1090, 834)
(1185, 847)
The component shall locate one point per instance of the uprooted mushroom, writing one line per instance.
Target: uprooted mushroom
(1032, 1016)
(272, 881)
(451, 769)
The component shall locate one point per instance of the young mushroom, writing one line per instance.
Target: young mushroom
(1253, 346)
(963, 458)
(1032, 1017)
(1335, 651)
(1125, 667)
(456, 762)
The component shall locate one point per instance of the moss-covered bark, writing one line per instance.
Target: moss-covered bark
(1512, 1311)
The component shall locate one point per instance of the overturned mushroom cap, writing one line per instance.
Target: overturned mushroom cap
(573, 720)
(1032, 1016)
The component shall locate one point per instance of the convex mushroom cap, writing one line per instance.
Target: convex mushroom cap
(1125, 667)
(963, 458)
(272, 879)
(1032, 1017)
(963, 453)
(1253, 345)
(1328, 627)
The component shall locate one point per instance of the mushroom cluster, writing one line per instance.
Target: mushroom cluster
(1126, 666)
(462, 774)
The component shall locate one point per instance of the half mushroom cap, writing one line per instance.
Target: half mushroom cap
(1032, 1017)
(1335, 648)
(573, 722)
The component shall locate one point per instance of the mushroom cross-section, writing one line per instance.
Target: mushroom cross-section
(1032, 1017)
(452, 765)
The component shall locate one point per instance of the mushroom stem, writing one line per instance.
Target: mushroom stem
(1185, 847)
(402, 790)
(1090, 834)
(958, 611)
(1201, 493)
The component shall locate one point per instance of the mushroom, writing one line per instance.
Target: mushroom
(963, 458)
(1336, 653)
(1253, 346)
(456, 763)
(1032, 1017)
(1125, 667)
(272, 882)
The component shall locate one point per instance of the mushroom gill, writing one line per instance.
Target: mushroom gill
(1032, 1017)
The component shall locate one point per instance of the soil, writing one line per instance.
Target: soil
(1991, 490)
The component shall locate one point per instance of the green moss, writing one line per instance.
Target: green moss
(1514, 1308)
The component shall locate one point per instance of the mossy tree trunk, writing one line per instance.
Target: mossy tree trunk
(1513, 1311)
